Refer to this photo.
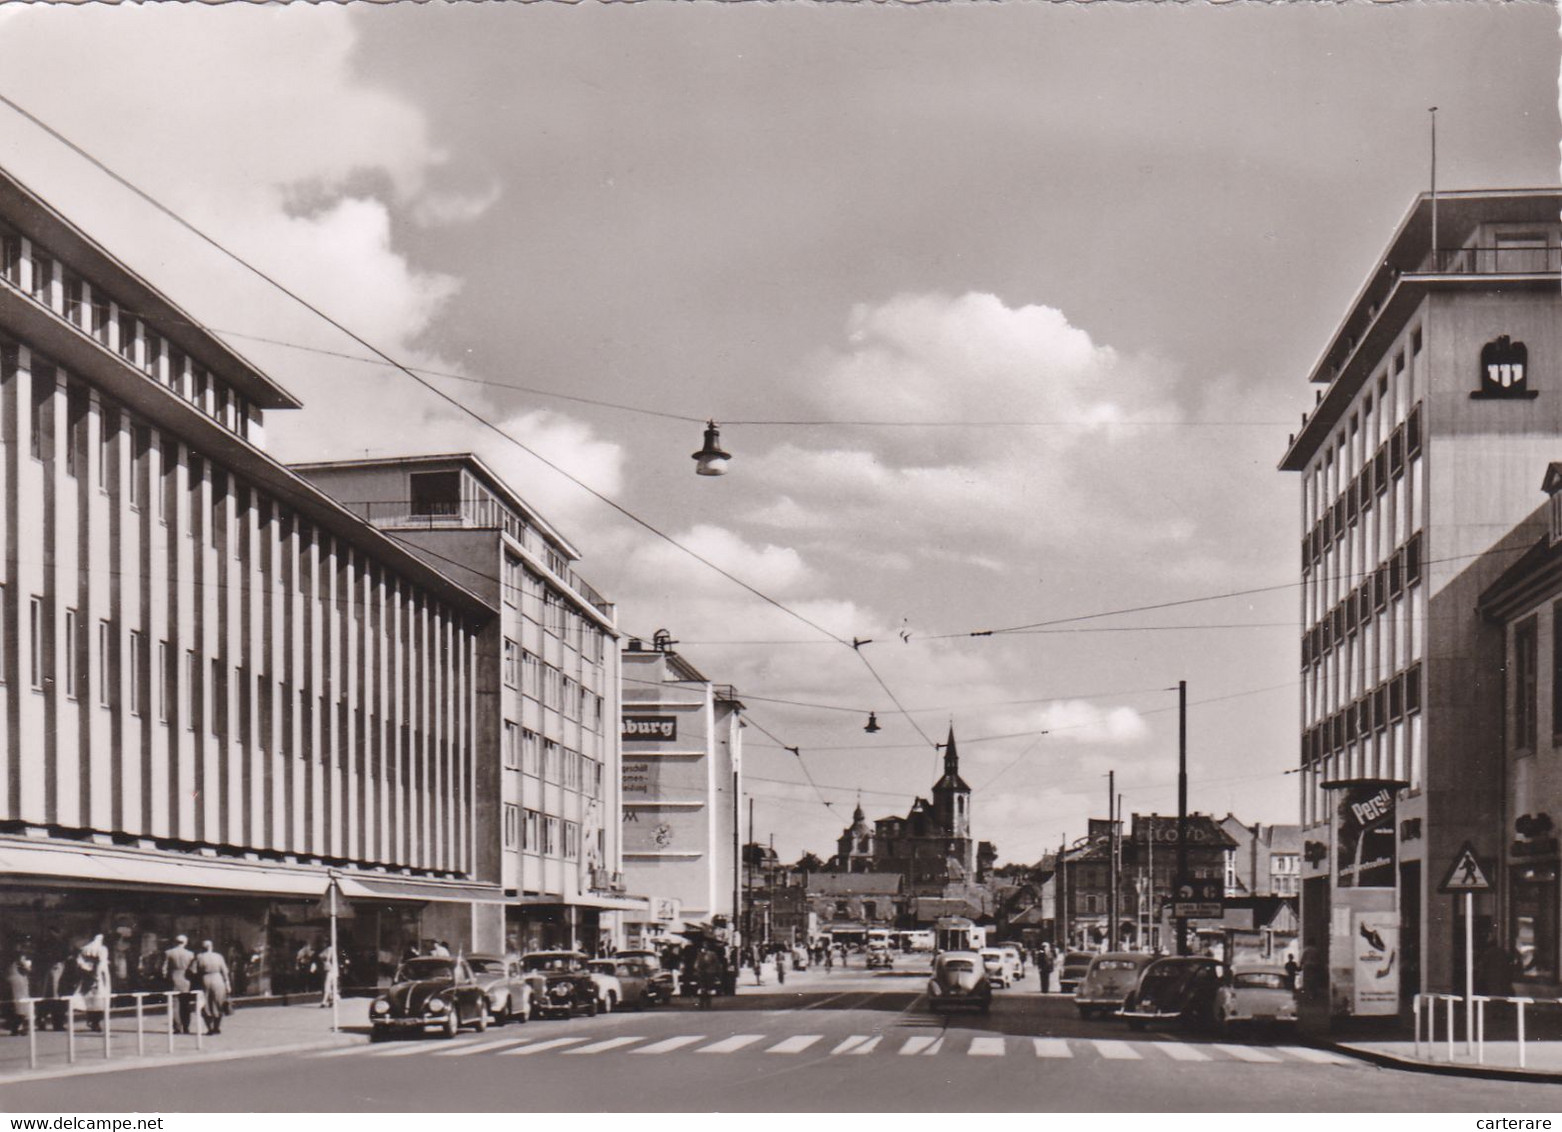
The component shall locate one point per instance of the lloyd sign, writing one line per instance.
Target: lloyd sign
(649, 728)
(1365, 838)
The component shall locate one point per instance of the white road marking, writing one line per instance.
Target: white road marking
(481, 1047)
(667, 1045)
(849, 1044)
(348, 1050)
(866, 1047)
(732, 1044)
(1245, 1053)
(413, 1048)
(610, 1043)
(923, 1044)
(1052, 1047)
(539, 1047)
(985, 1047)
(1178, 1051)
(1116, 1051)
(797, 1043)
(1322, 1056)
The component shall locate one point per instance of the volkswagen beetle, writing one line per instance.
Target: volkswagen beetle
(959, 979)
(1174, 989)
(430, 993)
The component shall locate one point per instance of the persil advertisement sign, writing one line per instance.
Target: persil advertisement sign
(1365, 835)
(1375, 949)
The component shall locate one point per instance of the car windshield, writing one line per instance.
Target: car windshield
(603, 966)
(416, 970)
(486, 966)
(1268, 980)
(1169, 977)
(959, 965)
(551, 963)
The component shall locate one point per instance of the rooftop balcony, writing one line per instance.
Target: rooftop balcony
(1505, 260)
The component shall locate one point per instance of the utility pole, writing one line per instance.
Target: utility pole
(1060, 897)
(737, 859)
(1182, 808)
(1111, 900)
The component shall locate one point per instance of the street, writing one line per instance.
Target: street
(848, 1041)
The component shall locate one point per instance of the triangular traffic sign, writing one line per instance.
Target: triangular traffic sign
(1466, 873)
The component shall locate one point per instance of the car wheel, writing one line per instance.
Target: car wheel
(482, 1017)
(1085, 1012)
(591, 1008)
(452, 1023)
(987, 1004)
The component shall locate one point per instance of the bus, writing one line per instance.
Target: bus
(956, 933)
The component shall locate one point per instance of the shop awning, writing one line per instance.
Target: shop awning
(592, 900)
(103, 866)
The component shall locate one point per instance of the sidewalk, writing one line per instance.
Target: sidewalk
(249, 1031)
(1542, 1060)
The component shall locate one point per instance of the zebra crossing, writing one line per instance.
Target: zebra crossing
(862, 1045)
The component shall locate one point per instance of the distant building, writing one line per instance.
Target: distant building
(1438, 405)
(931, 846)
(1267, 860)
(682, 788)
(846, 905)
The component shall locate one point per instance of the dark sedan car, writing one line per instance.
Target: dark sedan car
(430, 993)
(562, 984)
(1174, 989)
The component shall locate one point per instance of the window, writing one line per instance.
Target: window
(164, 681)
(532, 684)
(571, 693)
(101, 317)
(550, 760)
(37, 438)
(512, 656)
(550, 686)
(550, 836)
(1524, 659)
(43, 277)
(152, 355)
(531, 752)
(1556, 674)
(76, 403)
(436, 493)
(105, 664)
(219, 695)
(137, 672)
(512, 580)
(11, 258)
(192, 677)
(71, 653)
(571, 841)
(1534, 928)
(35, 651)
(532, 844)
(108, 425)
(870, 909)
(512, 745)
(512, 825)
(127, 336)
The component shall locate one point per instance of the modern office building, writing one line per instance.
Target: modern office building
(547, 803)
(1439, 398)
(217, 687)
(682, 790)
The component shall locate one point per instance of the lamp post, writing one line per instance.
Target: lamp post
(1182, 806)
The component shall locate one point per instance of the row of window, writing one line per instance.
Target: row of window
(526, 671)
(1396, 698)
(1376, 475)
(1388, 582)
(534, 832)
(542, 758)
(89, 309)
(1525, 689)
(528, 590)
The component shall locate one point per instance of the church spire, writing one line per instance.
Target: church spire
(951, 756)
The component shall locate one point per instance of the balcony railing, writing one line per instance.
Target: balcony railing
(1492, 261)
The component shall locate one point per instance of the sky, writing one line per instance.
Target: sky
(1005, 311)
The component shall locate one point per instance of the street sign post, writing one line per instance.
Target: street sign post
(1466, 876)
(1198, 898)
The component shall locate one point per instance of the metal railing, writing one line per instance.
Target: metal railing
(1425, 1006)
(1492, 261)
(70, 1009)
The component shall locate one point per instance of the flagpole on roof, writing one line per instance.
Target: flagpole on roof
(1433, 112)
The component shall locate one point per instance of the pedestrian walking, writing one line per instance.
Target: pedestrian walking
(304, 967)
(1044, 970)
(829, 959)
(210, 970)
(780, 958)
(18, 985)
(94, 982)
(707, 975)
(53, 965)
(176, 977)
(326, 958)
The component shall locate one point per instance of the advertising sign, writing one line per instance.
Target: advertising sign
(1375, 945)
(649, 728)
(1365, 839)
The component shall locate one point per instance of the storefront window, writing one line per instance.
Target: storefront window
(1535, 923)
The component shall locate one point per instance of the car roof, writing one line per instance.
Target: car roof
(486, 955)
(942, 955)
(576, 954)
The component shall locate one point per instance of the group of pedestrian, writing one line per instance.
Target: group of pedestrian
(63, 981)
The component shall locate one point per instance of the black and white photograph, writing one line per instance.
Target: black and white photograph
(684, 557)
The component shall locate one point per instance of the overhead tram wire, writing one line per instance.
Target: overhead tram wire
(797, 751)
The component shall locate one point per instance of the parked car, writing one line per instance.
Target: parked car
(562, 986)
(1108, 980)
(509, 994)
(1174, 989)
(1073, 968)
(640, 983)
(1001, 970)
(880, 955)
(430, 993)
(1259, 994)
(959, 979)
(1018, 954)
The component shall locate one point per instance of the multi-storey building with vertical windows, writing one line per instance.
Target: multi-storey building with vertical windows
(1439, 396)
(216, 685)
(547, 689)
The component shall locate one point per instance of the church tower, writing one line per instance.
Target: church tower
(952, 806)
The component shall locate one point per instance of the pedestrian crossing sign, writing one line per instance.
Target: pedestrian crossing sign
(1465, 874)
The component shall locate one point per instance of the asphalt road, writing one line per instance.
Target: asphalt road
(849, 1042)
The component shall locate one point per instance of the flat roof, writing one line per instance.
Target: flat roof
(36, 219)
